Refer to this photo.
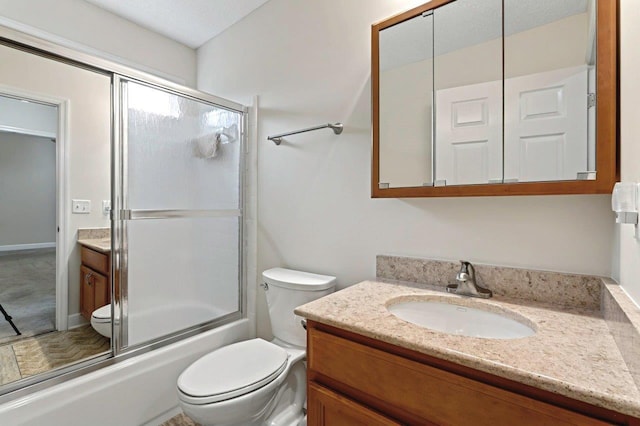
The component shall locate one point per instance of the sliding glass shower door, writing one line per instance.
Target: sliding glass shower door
(180, 213)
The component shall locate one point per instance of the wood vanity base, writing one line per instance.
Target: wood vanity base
(355, 380)
(95, 273)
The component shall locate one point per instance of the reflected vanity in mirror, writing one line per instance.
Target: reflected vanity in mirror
(495, 97)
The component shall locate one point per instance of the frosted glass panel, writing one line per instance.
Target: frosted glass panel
(182, 153)
(182, 272)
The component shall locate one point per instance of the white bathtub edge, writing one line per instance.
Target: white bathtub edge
(133, 392)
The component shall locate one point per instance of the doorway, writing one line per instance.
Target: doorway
(28, 224)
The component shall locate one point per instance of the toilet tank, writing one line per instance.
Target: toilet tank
(287, 289)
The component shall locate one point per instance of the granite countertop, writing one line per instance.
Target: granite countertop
(98, 239)
(573, 352)
(102, 245)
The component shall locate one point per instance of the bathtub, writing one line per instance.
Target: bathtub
(140, 390)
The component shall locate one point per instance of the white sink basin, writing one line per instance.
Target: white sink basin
(460, 320)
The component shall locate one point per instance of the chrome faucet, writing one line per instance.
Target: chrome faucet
(467, 285)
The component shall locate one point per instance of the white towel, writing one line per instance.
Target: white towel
(206, 146)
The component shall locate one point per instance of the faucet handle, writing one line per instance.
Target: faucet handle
(463, 274)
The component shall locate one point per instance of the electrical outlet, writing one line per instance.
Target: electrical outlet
(81, 206)
(106, 207)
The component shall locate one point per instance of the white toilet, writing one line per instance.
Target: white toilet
(256, 382)
(101, 320)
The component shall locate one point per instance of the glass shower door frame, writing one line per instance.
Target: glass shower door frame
(121, 214)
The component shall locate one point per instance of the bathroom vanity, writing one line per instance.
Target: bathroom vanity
(95, 275)
(367, 366)
(352, 376)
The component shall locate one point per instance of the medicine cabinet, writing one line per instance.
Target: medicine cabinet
(496, 97)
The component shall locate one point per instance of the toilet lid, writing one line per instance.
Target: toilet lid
(232, 371)
(103, 313)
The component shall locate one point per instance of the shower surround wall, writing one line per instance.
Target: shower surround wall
(315, 212)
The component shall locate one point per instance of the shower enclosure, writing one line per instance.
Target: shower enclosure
(176, 206)
(178, 222)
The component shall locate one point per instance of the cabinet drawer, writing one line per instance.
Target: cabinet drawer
(327, 408)
(95, 260)
(408, 389)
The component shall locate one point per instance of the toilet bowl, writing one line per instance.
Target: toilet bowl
(101, 320)
(256, 382)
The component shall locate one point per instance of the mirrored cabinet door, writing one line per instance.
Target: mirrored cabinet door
(549, 62)
(495, 97)
(468, 83)
(406, 103)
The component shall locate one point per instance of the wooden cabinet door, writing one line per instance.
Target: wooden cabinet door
(86, 292)
(327, 408)
(94, 291)
(405, 389)
(100, 285)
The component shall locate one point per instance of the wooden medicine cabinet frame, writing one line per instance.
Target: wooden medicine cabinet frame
(607, 119)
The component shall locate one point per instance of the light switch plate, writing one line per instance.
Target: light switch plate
(106, 207)
(81, 206)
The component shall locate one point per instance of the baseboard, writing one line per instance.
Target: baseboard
(33, 246)
(75, 321)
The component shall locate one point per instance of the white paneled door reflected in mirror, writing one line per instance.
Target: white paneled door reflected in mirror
(468, 94)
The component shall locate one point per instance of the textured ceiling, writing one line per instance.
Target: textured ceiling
(190, 22)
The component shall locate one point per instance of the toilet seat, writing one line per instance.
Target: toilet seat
(232, 371)
(102, 315)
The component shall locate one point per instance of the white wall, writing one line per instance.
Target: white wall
(27, 190)
(628, 269)
(311, 65)
(118, 39)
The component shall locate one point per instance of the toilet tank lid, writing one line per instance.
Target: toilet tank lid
(298, 280)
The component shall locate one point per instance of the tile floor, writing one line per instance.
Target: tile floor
(180, 420)
(38, 354)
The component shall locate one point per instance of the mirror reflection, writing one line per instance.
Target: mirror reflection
(549, 72)
(406, 103)
(461, 103)
(54, 148)
(468, 82)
